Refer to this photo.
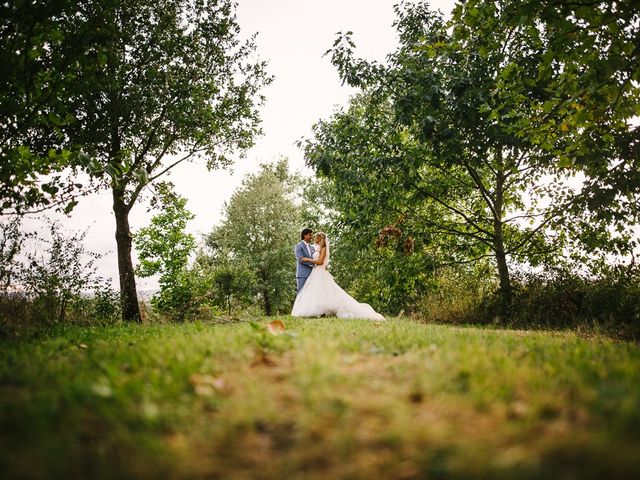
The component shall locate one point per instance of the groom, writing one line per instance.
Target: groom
(303, 249)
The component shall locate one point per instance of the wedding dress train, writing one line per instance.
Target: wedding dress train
(321, 295)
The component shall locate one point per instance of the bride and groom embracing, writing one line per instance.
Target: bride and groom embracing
(318, 293)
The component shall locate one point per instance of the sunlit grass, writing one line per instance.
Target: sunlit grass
(328, 398)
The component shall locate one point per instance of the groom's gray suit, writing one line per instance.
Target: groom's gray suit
(303, 269)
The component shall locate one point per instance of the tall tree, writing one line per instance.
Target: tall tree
(158, 82)
(260, 227)
(441, 134)
(419, 143)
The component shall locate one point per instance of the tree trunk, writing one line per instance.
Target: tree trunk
(498, 241)
(128, 293)
(503, 271)
(267, 302)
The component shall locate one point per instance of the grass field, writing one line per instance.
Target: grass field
(326, 398)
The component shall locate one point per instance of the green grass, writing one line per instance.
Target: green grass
(327, 399)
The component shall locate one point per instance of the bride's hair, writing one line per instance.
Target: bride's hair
(324, 238)
(325, 244)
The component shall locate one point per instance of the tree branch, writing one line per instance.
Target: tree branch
(483, 190)
(453, 209)
(192, 153)
(139, 156)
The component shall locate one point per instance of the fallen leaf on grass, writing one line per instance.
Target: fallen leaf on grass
(262, 359)
(517, 409)
(416, 397)
(176, 441)
(102, 390)
(149, 410)
(521, 352)
(276, 327)
(207, 386)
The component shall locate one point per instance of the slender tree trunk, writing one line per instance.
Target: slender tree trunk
(266, 298)
(267, 302)
(128, 293)
(63, 307)
(503, 270)
(498, 241)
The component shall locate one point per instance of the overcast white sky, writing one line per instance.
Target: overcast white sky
(292, 37)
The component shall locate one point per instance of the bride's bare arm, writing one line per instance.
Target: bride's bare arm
(323, 253)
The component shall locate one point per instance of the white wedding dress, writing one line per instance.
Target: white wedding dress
(321, 295)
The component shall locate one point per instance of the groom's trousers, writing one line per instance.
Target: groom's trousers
(300, 281)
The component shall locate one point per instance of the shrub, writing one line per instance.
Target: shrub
(54, 282)
(457, 294)
(57, 272)
(565, 298)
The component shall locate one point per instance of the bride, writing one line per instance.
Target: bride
(321, 295)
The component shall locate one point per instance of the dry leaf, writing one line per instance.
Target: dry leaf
(207, 386)
(276, 327)
(102, 390)
(149, 410)
(517, 409)
(416, 397)
(262, 359)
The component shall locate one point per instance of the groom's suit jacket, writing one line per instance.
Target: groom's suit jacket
(303, 269)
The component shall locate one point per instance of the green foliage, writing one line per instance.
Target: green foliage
(103, 307)
(609, 299)
(137, 90)
(574, 94)
(12, 239)
(57, 273)
(164, 249)
(459, 294)
(35, 87)
(232, 282)
(260, 227)
(435, 146)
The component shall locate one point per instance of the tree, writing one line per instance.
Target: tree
(164, 248)
(261, 224)
(438, 137)
(576, 97)
(232, 282)
(157, 83)
(418, 143)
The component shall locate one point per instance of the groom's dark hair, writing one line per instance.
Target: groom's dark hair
(304, 232)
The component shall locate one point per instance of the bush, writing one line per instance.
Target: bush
(58, 271)
(609, 298)
(56, 283)
(457, 295)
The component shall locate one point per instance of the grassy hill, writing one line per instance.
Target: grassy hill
(325, 398)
